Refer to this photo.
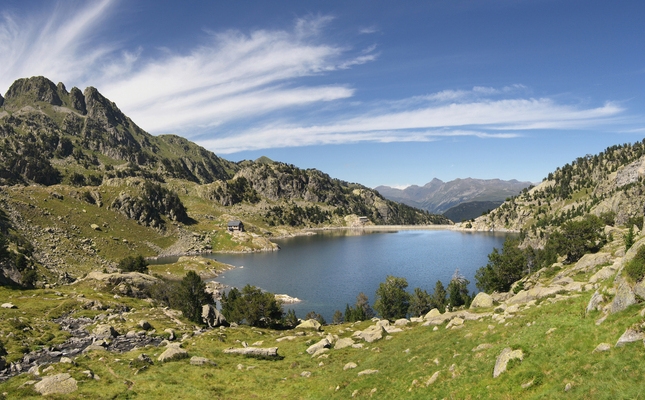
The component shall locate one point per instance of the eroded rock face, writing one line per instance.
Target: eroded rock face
(37, 88)
(624, 298)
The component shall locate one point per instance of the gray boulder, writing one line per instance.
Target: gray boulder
(372, 333)
(595, 302)
(212, 317)
(504, 357)
(344, 342)
(630, 336)
(309, 324)
(482, 300)
(105, 332)
(323, 344)
(624, 298)
(56, 384)
(173, 354)
(201, 361)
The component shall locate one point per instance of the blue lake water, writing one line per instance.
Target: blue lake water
(327, 270)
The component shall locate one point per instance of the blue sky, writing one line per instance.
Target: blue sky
(375, 92)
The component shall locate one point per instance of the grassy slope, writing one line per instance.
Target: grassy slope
(551, 361)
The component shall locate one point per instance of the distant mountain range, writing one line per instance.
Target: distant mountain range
(441, 197)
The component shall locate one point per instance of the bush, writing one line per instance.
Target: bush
(134, 264)
(635, 269)
(503, 268)
(392, 301)
(577, 238)
(252, 306)
(361, 310)
(420, 303)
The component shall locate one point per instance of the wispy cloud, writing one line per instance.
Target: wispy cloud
(501, 119)
(57, 43)
(235, 91)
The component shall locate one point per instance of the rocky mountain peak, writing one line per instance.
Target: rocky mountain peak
(102, 109)
(36, 88)
(1, 100)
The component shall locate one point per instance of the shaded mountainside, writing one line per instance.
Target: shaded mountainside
(470, 210)
(610, 184)
(437, 196)
(83, 185)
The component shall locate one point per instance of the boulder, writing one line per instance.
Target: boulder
(212, 317)
(455, 322)
(323, 344)
(171, 333)
(372, 333)
(538, 292)
(482, 300)
(624, 298)
(349, 365)
(602, 347)
(105, 331)
(368, 372)
(401, 322)
(56, 384)
(145, 325)
(589, 261)
(630, 336)
(595, 302)
(504, 357)
(483, 346)
(309, 324)
(432, 313)
(433, 378)
(8, 305)
(604, 273)
(194, 360)
(269, 352)
(173, 354)
(344, 342)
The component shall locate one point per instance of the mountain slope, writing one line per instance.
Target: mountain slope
(83, 186)
(437, 196)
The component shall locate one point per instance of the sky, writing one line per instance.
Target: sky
(368, 91)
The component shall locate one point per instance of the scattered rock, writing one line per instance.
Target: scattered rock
(483, 346)
(502, 360)
(432, 313)
(171, 334)
(368, 372)
(401, 322)
(173, 354)
(309, 324)
(482, 300)
(281, 339)
(595, 302)
(550, 331)
(212, 317)
(630, 336)
(56, 384)
(624, 298)
(194, 360)
(269, 352)
(344, 342)
(527, 384)
(602, 347)
(433, 378)
(145, 325)
(568, 387)
(455, 322)
(372, 333)
(305, 374)
(349, 365)
(105, 332)
(8, 305)
(323, 344)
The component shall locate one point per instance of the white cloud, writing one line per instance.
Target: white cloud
(245, 86)
(54, 43)
(502, 119)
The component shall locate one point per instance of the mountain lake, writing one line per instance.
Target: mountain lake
(327, 270)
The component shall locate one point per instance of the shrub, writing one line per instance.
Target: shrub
(420, 303)
(635, 269)
(361, 310)
(392, 301)
(134, 264)
(503, 268)
(252, 306)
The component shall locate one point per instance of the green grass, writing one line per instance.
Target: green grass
(404, 363)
